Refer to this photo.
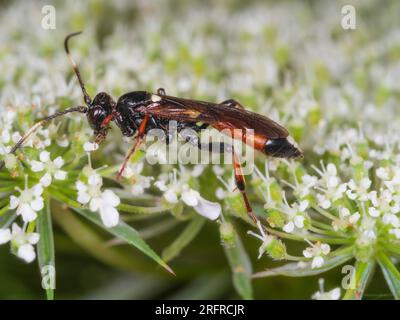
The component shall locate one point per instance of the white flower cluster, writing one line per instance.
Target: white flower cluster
(355, 208)
(29, 203)
(21, 241)
(104, 202)
(175, 189)
(50, 167)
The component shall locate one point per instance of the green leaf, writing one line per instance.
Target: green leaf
(391, 274)
(45, 250)
(7, 219)
(240, 265)
(190, 232)
(127, 233)
(304, 269)
(95, 243)
(361, 275)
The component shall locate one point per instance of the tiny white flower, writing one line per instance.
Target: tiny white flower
(359, 191)
(208, 209)
(288, 227)
(171, 196)
(52, 168)
(139, 182)
(23, 243)
(62, 142)
(108, 212)
(395, 232)
(391, 219)
(90, 146)
(104, 202)
(190, 196)
(5, 235)
(28, 203)
(295, 215)
(330, 186)
(333, 294)
(176, 190)
(367, 231)
(307, 183)
(323, 201)
(382, 173)
(317, 252)
(263, 236)
(373, 212)
(198, 170)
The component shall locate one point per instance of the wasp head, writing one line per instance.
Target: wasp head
(101, 107)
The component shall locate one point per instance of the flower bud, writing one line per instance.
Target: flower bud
(275, 219)
(10, 161)
(235, 202)
(276, 192)
(276, 249)
(227, 233)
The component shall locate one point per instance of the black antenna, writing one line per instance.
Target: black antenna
(86, 96)
(39, 124)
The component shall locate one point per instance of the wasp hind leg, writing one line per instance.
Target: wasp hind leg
(241, 185)
(239, 177)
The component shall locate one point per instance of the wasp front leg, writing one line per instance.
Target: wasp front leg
(136, 144)
(100, 137)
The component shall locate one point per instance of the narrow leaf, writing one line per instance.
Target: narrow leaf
(240, 265)
(7, 219)
(45, 251)
(304, 269)
(361, 275)
(391, 274)
(83, 233)
(190, 232)
(127, 233)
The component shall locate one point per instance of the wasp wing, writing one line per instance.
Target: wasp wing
(200, 111)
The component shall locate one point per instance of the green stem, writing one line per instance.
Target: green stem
(295, 258)
(341, 251)
(360, 277)
(123, 207)
(3, 210)
(321, 231)
(307, 236)
(322, 225)
(393, 248)
(7, 189)
(142, 210)
(391, 274)
(109, 170)
(324, 213)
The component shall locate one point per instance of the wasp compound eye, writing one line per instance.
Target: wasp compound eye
(96, 116)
